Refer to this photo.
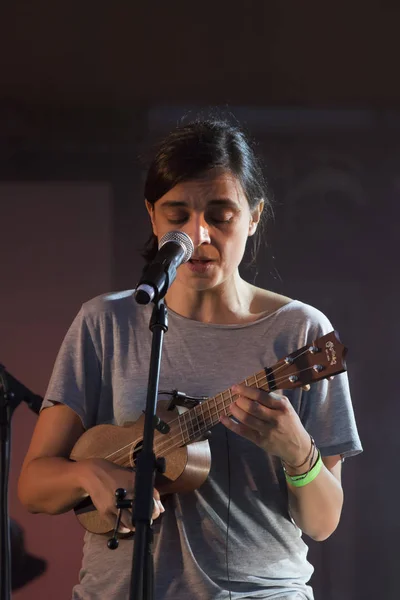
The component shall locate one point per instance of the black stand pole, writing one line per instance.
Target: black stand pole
(142, 582)
(12, 392)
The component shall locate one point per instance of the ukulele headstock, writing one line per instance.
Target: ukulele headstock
(324, 358)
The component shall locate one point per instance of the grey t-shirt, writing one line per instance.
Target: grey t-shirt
(101, 372)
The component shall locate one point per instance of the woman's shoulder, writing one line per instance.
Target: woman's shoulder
(115, 307)
(110, 302)
(268, 303)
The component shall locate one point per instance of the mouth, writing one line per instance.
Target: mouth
(200, 265)
(201, 260)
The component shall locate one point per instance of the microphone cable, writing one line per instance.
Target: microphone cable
(228, 514)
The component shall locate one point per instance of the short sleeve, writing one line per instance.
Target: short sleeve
(76, 377)
(327, 411)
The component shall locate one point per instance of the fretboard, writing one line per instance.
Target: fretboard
(195, 422)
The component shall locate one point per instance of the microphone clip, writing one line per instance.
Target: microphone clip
(184, 400)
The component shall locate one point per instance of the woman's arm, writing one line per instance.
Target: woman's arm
(270, 421)
(316, 507)
(49, 482)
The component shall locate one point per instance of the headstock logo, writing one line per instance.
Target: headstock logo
(331, 353)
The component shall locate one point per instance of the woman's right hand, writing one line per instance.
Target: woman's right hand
(100, 479)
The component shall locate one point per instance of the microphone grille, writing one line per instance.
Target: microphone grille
(179, 238)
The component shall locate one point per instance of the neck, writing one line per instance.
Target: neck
(224, 304)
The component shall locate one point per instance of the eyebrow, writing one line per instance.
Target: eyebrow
(216, 202)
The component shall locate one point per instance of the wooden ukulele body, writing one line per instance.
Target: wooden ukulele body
(187, 467)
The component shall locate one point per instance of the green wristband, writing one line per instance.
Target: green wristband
(302, 480)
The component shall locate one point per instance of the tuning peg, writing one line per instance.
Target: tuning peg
(306, 388)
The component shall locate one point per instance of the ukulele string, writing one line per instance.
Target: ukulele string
(257, 381)
(164, 446)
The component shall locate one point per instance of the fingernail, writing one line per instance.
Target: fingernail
(123, 529)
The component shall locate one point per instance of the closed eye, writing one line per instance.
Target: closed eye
(209, 220)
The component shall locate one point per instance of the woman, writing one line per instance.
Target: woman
(239, 534)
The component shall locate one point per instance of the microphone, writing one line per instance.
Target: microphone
(174, 248)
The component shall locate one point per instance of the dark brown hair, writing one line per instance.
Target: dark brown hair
(190, 151)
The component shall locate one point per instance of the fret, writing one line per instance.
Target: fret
(223, 402)
(180, 427)
(208, 402)
(183, 417)
(263, 377)
(196, 433)
(230, 396)
(216, 409)
(203, 415)
(201, 410)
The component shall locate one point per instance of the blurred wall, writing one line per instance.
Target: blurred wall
(56, 250)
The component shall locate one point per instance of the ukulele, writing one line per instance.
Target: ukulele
(187, 454)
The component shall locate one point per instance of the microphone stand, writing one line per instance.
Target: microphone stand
(12, 392)
(142, 580)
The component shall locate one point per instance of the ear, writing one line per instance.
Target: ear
(150, 210)
(255, 217)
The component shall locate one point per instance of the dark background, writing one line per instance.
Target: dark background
(84, 88)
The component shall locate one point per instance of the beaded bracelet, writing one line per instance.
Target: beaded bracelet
(309, 456)
(302, 480)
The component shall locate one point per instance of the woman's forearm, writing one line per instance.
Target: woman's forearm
(316, 507)
(51, 485)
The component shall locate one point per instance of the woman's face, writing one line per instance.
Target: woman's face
(214, 212)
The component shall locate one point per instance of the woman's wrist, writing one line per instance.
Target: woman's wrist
(84, 470)
(300, 463)
(309, 476)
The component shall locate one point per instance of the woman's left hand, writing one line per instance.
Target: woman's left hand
(270, 421)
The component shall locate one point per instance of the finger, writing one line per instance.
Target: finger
(123, 529)
(157, 509)
(240, 429)
(268, 399)
(254, 408)
(126, 521)
(252, 418)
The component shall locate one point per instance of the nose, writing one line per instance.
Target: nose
(198, 231)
